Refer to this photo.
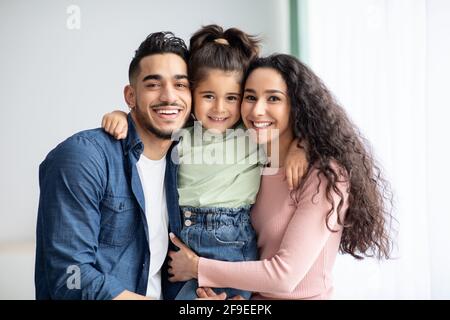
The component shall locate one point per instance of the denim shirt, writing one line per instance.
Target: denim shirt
(92, 235)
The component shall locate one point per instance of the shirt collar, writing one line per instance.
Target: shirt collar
(132, 140)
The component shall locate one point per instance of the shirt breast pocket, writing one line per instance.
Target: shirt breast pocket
(119, 221)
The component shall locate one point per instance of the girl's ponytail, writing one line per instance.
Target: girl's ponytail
(213, 48)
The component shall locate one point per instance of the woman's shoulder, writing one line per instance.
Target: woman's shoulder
(333, 167)
(319, 177)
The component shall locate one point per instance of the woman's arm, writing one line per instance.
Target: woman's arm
(304, 239)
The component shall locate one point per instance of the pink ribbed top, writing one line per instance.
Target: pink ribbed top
(297, 251)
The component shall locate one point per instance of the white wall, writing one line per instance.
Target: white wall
(438, 103)
(55, 81)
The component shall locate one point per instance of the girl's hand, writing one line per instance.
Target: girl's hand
(184, 263)
(209, 294)
(296, 164)
(116, 124)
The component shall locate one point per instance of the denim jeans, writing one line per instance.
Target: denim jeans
(220, 234)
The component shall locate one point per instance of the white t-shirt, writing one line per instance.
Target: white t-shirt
(151, 173)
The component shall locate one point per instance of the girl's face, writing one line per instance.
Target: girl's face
(217, 100)
(266, 106)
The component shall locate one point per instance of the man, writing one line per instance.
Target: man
(102, 229)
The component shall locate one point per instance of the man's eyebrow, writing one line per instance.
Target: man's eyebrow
(159, 77)
(181, 77)
(152, 77)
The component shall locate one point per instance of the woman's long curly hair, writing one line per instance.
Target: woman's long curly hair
(318, 119)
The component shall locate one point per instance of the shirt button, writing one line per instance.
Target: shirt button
(188, 223)
(187, 214)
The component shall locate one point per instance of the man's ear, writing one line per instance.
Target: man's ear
(130, 96)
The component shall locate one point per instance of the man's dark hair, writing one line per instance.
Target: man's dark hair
(158, 42)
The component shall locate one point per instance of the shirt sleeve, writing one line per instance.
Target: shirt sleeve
(72, 181)
(304, 239)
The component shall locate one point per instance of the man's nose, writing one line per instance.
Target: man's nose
(168, 94)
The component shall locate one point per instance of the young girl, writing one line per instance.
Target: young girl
(341, 205)
(215, 197)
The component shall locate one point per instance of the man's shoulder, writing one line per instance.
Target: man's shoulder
(96, 136)
(87, 144)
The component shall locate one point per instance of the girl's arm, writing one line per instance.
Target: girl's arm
(116, 124)
(296, 164)
(304, 239)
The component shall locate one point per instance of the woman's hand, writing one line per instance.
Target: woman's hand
(116, 124)
(296, 164)
(184, 263)
(209, 294)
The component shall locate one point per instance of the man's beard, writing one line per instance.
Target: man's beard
(143, 119)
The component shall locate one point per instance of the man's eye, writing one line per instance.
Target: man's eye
(208, 96)
(182, 85)
(152, 85)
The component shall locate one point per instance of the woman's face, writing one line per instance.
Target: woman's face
(266, 107)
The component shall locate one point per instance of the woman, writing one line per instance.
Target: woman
(339, 206)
